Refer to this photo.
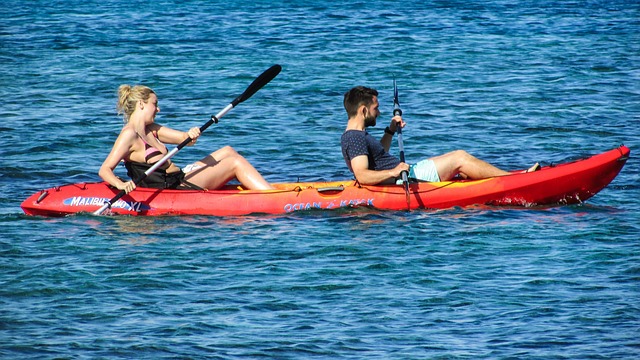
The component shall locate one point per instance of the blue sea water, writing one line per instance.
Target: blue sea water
(511, 82)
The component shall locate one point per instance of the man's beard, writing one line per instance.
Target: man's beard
(369, 121)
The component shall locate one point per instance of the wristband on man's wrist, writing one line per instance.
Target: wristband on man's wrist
(388, 131)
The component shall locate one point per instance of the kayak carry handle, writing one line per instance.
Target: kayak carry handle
(44, 194)
(330, 189)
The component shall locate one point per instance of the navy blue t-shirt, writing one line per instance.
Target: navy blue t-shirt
(356, 142)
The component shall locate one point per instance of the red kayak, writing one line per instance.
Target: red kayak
(563, 184)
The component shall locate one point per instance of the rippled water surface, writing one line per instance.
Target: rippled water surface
(511, 83)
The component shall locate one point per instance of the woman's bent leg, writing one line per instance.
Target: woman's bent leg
(222, 166)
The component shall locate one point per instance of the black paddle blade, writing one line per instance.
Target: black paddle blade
(395, 92)
(258, 83)
(396, 102)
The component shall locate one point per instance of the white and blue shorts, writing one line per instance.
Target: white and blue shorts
(424, 170)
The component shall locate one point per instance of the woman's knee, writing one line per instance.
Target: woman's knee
(224, 152)
(229, 149)
(235, 160)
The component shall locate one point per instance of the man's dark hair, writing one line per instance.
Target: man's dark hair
(357, 96)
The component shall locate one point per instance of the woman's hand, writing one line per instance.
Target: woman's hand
(194, 134)
(128, 186)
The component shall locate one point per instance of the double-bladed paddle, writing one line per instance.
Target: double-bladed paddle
(398, 111)
(256, 85)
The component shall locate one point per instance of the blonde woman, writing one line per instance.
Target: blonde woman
(141, 144)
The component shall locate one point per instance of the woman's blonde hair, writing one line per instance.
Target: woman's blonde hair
(128, 97)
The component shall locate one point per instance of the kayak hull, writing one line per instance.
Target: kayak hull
(563, 184)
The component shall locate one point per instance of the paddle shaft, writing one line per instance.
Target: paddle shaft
(256, 85)
(400, 144)
(398, 112)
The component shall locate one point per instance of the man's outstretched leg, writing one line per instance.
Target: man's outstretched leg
(468, 166)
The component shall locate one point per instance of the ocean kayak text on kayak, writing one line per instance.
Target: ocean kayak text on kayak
(327, 205)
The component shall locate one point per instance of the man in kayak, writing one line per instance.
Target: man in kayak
(370, 162)
(141, 144)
